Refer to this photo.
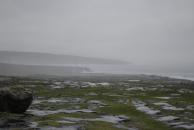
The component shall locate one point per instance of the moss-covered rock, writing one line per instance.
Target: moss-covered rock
(15, 99)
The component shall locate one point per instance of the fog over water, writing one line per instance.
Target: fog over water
(157, 34)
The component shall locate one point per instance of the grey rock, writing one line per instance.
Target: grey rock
(15, 99)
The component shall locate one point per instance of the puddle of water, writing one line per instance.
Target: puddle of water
(90, 84)
(172, 108)
(105, 118)
(141, 106)
(94, 104)
(123, 101)
(172, 120)
(168, 118)
(176, 123)
(135, 89)
(87, 84)
(66, 122)
(57, 100)
(104, 84)
(36, 101)
(57, 83)
(185, 126)
(112, 119)
(167, 106)
(48, 112)
(161, 104)
(97, 102)
(185, 91)
(63, 128)
(124, 127)
(41, 112)
(166, 98)
(75, 100)
(33, 125)
(175, 94)
(79, 110)
(133, 80)
(57, 87)
(117, 120)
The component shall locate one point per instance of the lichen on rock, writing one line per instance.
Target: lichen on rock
(15, 99)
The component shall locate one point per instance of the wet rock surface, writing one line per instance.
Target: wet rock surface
(48, 112)
(105, 118)
(128, 104)
(171, 120)
(8, 120)
(141, 106)
(167, 106)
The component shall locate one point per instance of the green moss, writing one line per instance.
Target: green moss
(50, 123)
(138, 119)
(81, 115)
(98, 125)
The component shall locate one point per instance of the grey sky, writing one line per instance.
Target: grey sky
(140, 31)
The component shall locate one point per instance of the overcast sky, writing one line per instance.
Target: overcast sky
(138, 31)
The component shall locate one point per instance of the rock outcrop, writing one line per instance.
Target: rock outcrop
(15, 99)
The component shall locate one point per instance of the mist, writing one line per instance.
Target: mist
(154, 33)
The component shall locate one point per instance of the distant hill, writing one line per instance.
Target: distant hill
(26, 70)
(34, 58)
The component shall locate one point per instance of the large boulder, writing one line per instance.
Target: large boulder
(15, 99)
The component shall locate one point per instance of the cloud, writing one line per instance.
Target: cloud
(140, 31)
